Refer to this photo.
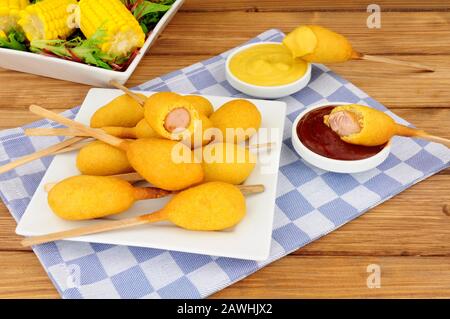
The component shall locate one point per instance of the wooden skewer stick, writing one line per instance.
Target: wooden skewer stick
(98, 134)
(261, 146)
(135, 177)
(128, 92)
(42, 153)
(54, 132)
(116, 224)
(74, 132)
(407, 131)
(93, 229)
(74, 147)
(436, 139)
(362, 56)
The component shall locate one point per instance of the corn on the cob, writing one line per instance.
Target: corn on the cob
(46, 20)
(2, 34)
(123, 32)
(9, 13)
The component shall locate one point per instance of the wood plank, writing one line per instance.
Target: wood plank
(22, 276)
(429, 119)
(401, 32)
(311, 5)
(400, 87)
(396, 86)
(345, 277)
(333, 277)
(412, 223)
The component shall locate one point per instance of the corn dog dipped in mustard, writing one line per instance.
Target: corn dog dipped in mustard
(227, 162)
(87, 197)
(122, 111)
(99, 158)
(236, 120)
(316, 44)
(363, 125)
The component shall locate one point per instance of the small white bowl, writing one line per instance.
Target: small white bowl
(333, 165)
(265, 92)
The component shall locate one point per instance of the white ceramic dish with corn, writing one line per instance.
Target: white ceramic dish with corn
(50, 19)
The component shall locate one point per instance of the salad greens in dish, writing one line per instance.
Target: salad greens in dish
(106, 34)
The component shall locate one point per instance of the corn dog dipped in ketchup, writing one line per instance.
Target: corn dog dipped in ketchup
(317, 44)
(363, 125)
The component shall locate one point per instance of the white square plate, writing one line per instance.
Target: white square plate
(250, 239)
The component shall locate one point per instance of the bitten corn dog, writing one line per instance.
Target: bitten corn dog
(363, 125)
(171, 116)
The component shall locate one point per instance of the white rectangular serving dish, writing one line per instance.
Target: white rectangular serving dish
(250, 239)
(77, 72)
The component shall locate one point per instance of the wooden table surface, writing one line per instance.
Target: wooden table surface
(408, 236)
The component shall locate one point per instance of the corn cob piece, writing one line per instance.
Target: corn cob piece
(123, 32)
(9, 13)
(2, 34)
(46, 20)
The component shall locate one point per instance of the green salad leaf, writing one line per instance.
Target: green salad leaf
(15, 40)
(148, 13)
(77, 49)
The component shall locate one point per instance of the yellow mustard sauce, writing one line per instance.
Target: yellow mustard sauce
(267, 65)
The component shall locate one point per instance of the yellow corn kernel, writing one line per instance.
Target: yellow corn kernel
(46, 20)
(9, 13)
(123, 32)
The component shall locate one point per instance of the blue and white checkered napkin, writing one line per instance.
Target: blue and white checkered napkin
(310, 202)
